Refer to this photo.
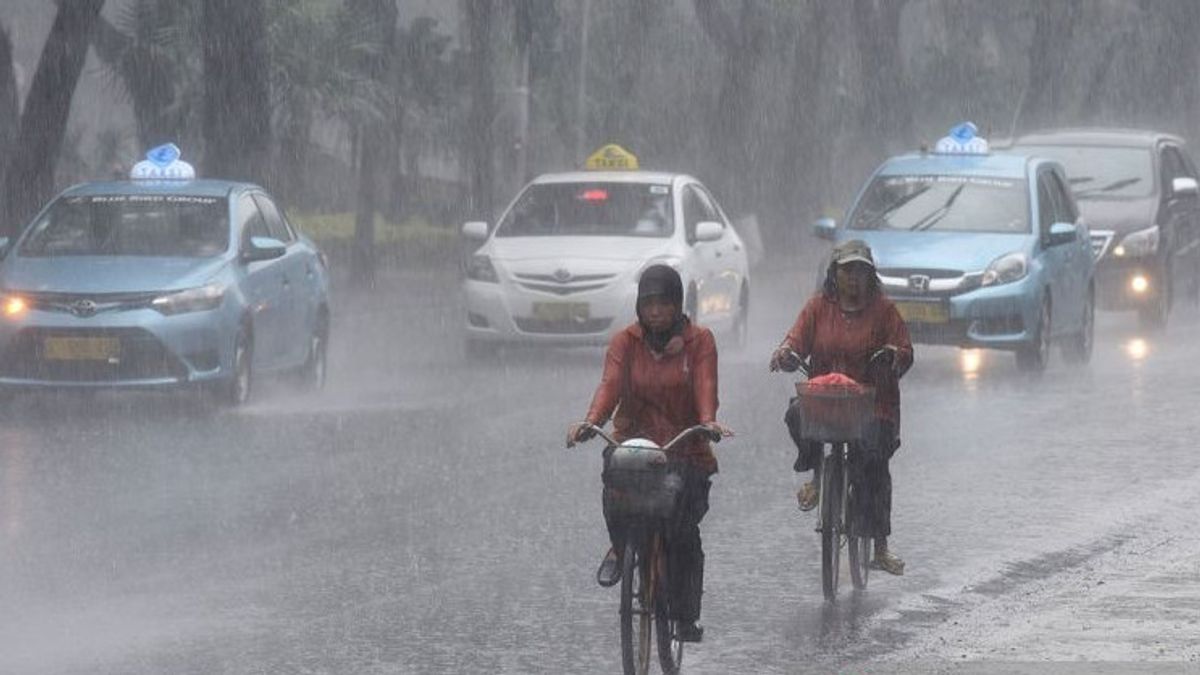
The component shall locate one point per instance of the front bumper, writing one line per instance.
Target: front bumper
(506, 312)
(155, 351)
(997, 317)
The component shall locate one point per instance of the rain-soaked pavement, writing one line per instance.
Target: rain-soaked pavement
(422, 516)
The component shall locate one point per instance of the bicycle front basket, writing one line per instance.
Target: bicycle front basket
(638, 484)
(834, 413)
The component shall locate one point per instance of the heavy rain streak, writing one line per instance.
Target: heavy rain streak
(300, 299)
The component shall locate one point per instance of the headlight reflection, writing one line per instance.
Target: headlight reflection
(1137, 349)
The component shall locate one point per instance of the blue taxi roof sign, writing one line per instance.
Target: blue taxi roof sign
(163, 163)
(963, 139)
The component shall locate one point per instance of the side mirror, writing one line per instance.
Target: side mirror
(825, 228)
(1185, 186)
(1061, 233)
(476, 229)
(709, 230)
(263, 248)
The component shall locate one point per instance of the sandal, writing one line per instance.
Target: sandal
(888, 562)
(808, 496)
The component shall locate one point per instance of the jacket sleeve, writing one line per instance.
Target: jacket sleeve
(704, 378)
(897, 335)
(800, 337)
(612, 383)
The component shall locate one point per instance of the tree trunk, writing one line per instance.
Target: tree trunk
(29, 180)
(1053, 24)
(10, 110)
(370, 150)
(147, 79)
(886, 115)
(237, 106)
(479, 124)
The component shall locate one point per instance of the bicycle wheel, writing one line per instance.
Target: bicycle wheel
(670, 650)
(831, 522)
(636, 619)
(858, 547)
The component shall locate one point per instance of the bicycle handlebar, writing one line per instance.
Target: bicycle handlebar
(713, 436)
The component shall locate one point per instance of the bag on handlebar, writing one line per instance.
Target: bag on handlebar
(834, 408)
(638, 483)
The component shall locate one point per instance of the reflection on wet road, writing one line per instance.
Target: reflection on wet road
(422, 516)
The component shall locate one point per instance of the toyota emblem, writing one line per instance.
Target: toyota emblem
(83, 308)
(561, 275)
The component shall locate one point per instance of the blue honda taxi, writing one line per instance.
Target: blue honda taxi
(161, 281)
(979, 249)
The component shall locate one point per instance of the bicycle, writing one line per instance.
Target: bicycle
(646, 491)
(837, 417)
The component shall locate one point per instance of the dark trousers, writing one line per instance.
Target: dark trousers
(685, 554)
(869, 470)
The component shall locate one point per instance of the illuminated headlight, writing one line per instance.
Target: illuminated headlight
(192, 300)
(1138, 244)
(481, 269)
(1006, 269)
(13, 305)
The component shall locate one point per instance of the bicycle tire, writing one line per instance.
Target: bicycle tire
(670, 650)
(858, 548)
(831, 515)
(628, 566)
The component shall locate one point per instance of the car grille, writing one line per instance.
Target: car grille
(558, 285)
(1101, 240)
(143, 357)
(933, 283)
(565, 327)
(87, 304)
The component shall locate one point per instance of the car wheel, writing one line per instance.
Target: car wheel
(1032, 358)
(313, 372)
(1154, 316)
(1078, 350)
(237, 389)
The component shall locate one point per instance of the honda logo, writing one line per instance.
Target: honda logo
(918, 283)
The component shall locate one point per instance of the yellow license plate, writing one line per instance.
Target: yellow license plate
(81, 348)
(561, 311)
(924, 312)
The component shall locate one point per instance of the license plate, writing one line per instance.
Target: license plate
(561, 311)
(924, 312)
(81, 348)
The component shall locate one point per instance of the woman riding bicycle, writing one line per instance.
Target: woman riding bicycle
(660, 377)
(840, 330)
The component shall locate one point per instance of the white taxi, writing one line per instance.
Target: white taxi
(563, 262)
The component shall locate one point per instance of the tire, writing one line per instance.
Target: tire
(313, 372)
(670, 650)
(858, 547)
(237, 390)
(1154, 316)
(635, 621)
(831, 516)
(1078, 349)
(1033, 358)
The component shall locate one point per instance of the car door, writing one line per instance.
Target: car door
(706, 255)
(730, 253)
(262, 285)
(1052, 259)
(1078, 254)
(297, 280)
(1180, 213)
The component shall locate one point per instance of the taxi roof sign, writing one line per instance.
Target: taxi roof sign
(163, 163)
(612, 157)
(963, 139)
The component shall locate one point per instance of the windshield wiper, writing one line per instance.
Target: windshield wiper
(1076, 180)
(873, 220)
(940, 212)
(1115, 185)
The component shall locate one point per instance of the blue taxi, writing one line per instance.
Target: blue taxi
(161, 281)
(979, 249)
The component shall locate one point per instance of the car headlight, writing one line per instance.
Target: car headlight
(1138, 244)
(1006, 269)
(13, 305)
(481, 269)
(192, 300)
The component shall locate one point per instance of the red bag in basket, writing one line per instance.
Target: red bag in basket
(835, 379)
(834, 407)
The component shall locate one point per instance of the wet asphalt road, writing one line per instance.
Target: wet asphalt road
(422, 516)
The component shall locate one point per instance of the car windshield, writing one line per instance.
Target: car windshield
(943, 203)
(591, 209)
(131, 225)
(1102, 172)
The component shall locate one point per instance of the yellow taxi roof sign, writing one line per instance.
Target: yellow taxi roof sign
(612, 157)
